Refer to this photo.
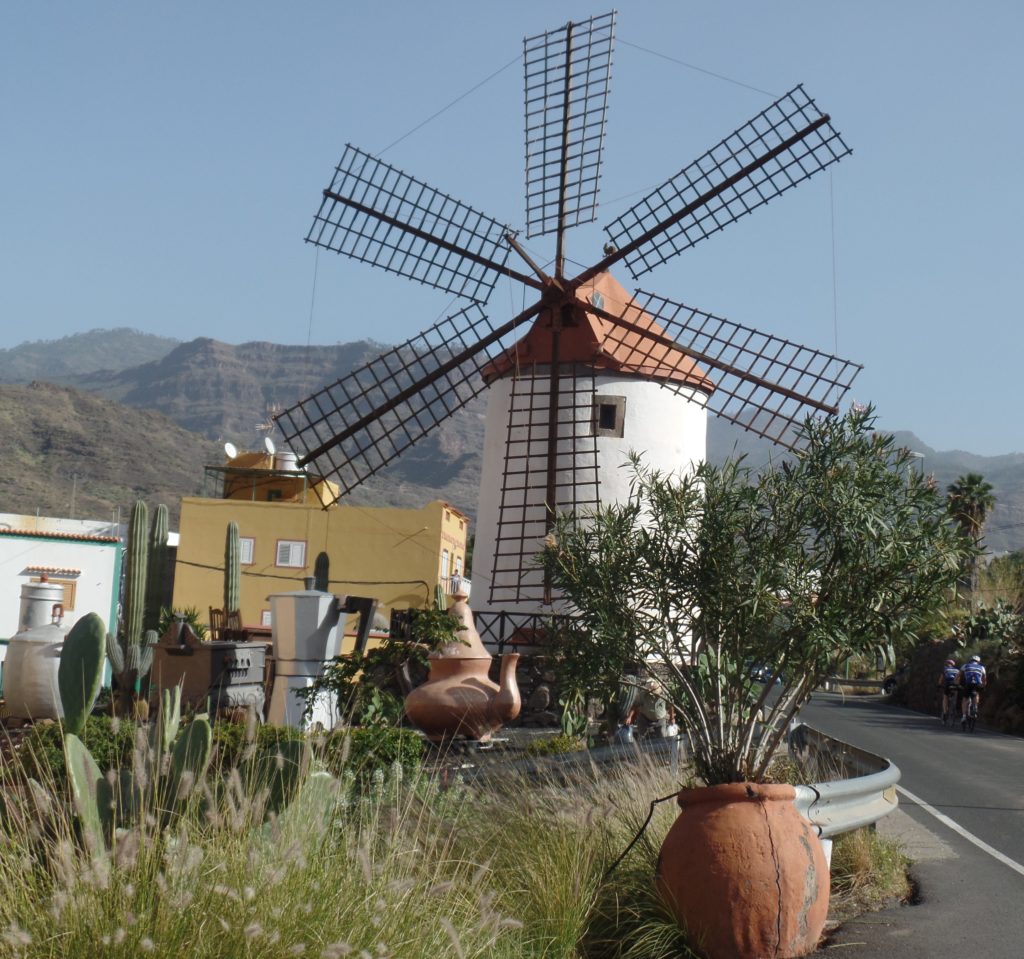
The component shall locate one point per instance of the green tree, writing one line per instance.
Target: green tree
(970, 500)
(845, 550)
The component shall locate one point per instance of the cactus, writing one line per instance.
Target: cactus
(135, 576)
(127, 659)
(232, 569)
(91, 793)
(190, 755)
(156, 576)
(321, 572)
(80, 671)
(280, 772)
(163, 732)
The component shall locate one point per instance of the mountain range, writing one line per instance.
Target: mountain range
(97, 420)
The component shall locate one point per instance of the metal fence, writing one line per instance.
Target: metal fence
(857, 787)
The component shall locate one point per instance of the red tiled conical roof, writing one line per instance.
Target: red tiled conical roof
(597, 342)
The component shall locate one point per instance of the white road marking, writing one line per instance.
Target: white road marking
(957, 828)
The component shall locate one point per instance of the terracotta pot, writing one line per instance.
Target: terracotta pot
(745, 873)
(458, 698)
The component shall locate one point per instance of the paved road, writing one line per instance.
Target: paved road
(971, 902)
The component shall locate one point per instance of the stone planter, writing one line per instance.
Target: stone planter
(745, 873)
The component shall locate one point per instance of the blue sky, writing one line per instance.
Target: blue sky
(162, 163)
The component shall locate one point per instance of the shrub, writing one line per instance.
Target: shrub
(231, 740)
(364, 749)
(109, 739)
(555, 745)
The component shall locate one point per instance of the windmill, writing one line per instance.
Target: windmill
(588, 371)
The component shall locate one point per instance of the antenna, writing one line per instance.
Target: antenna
(268, 445)
(230, 450)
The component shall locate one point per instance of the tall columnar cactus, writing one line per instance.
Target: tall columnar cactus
(156, 576)
(322, 572)
(129, 658)
(232, 568)
(136, 562)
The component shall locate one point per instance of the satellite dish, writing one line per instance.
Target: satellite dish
(268, 445)
(230, 450)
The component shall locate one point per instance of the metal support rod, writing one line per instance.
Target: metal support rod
(704, 198)
(545, 279)
(564, 172)
(707, 360)
(417, 387)
(429, 237)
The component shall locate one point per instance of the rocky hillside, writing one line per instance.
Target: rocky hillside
(69, 453)
(214, 392)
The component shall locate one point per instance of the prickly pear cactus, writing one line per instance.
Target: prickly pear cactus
(80, 671)
(91, 794)
(189, 756)
(232, 569)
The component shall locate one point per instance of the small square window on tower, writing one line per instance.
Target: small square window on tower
(609, 415)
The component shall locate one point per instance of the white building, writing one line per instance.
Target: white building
(83, 556)
(620, 390)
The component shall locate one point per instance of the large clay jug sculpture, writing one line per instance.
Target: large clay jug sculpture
(458, 698)
(745, 873)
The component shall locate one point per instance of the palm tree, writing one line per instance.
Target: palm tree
(970, 501)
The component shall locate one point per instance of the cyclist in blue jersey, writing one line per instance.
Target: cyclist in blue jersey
(973, 680)
(949, 680)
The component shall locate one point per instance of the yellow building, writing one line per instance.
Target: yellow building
(397, 556)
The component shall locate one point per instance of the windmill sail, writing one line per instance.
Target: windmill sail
(782, 146)
(523, 516)
(375, 213)
(355, 427)
(764, 383)
(568, 77)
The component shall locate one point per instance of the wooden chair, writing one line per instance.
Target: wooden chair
(217, 623)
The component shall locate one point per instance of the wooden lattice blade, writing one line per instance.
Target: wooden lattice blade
(565, 121)
(764, 383)
(512, 574)
(390, 403)
(782, 146)
(379, 215)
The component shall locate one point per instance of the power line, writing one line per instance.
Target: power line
(693, 66)
(448, 106)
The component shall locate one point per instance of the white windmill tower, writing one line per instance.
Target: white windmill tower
(588, 371)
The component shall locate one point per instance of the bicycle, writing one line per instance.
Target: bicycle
(972, 710)
(949, 714)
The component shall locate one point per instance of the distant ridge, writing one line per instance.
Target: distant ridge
(80, 353)
(203, 392)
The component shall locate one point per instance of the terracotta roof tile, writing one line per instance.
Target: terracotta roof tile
(50, 534)
(597, 342)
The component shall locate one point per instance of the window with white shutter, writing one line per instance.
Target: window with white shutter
(291, 553)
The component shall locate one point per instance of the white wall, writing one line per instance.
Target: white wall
(96, 584)
(668, 428)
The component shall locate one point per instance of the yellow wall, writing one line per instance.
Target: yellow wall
(393, 555)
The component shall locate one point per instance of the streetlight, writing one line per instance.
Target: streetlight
(914, 454)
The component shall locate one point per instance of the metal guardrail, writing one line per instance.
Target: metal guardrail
(845, 804)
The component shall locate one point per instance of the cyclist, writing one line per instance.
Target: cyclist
(949, 681)
(973, 679)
